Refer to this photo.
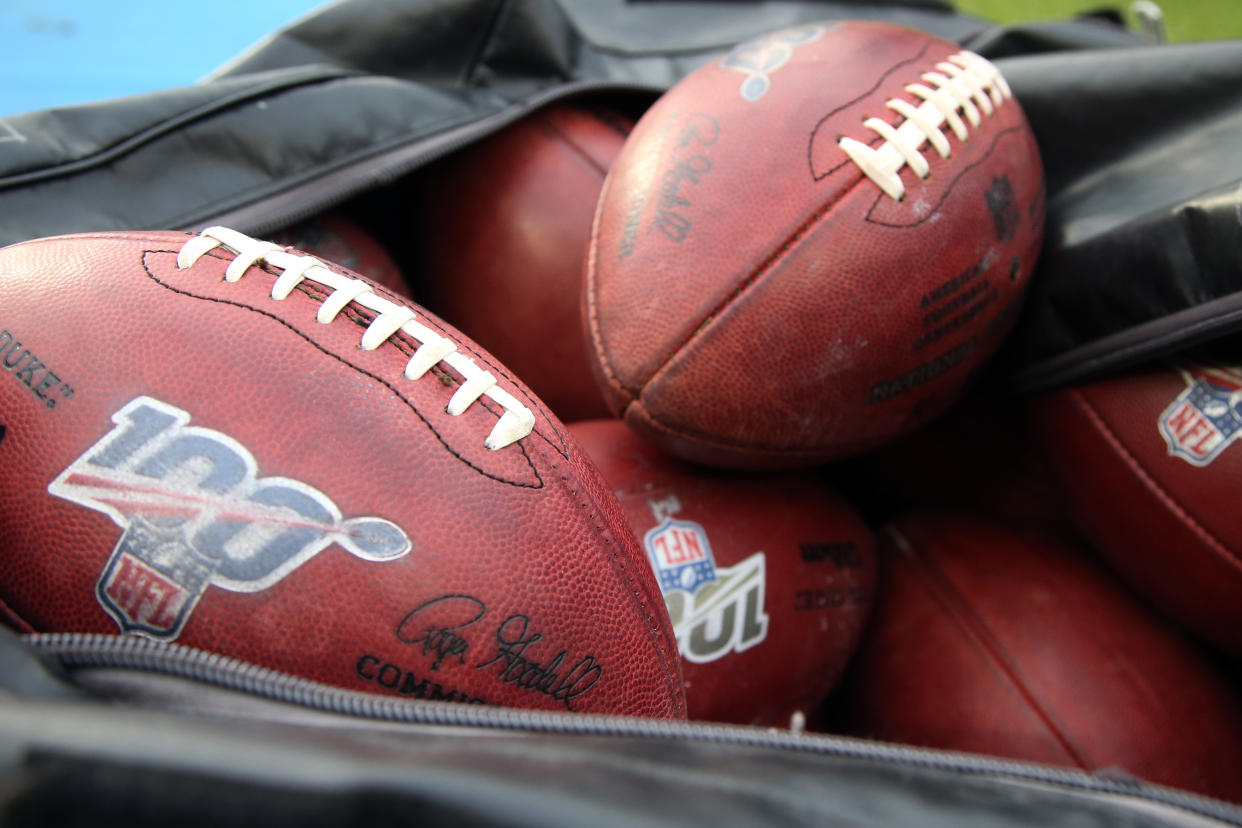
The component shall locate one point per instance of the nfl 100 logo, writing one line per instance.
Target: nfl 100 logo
(758, 59)
(715, 610)
(195, 514)
(1205, 418)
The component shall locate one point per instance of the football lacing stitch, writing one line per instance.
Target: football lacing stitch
(514, 424)
(965, 82)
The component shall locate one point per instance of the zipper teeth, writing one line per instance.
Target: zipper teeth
(78, 650)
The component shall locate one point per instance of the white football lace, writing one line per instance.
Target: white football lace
(513, 425)
(965, 82)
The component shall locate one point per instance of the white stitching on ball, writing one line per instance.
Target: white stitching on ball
(517, 421)
(965, 82)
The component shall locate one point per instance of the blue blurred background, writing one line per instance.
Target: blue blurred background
(59, 52)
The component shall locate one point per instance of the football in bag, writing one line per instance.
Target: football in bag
(215, 441)
(768, 577)
(808, 247)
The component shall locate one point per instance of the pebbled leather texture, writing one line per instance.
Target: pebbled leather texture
(1014, 643)
(768, 629)
(504, 226)
(754, 300)
(1171, 528)
(522, 584)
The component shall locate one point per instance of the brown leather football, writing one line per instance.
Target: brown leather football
(807, 247)
(212, 440)
(1013, 643)
(503, 229)
(1150, 472)
(768, 577)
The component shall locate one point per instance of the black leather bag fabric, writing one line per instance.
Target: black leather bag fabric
(1143, 253)
(116, 745)
(88, 765)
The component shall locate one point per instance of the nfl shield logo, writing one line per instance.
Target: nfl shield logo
(715, 610)
(680, 555)
(152, 581)
(1205, 418)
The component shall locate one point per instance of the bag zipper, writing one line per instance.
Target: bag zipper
(80, 651)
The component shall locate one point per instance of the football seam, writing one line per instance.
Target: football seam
(797, 237)
(742, 287)
(540, 484)
(1207, 537)
(614, 120)
(631, 392)
(764, 268)
(767, 265)
(12, 619)
(941, 590)
(602, 358)
(652, 626)
(575, 148)
(762, 450)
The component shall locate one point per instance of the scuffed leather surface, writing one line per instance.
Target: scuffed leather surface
(754, 300)
(1014, 643)
(1171, 529)
(518, 554)
(811, 599)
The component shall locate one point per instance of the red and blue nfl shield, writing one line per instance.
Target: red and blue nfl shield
(680, 555)
(1205, 418)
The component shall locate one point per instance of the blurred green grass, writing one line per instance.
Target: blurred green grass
(1184, 19)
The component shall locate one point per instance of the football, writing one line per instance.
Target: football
(807, 247)
(987, 639)
(503, 227)
(768, 577)
(1149, 470)
(342, 241)
(216, 441)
